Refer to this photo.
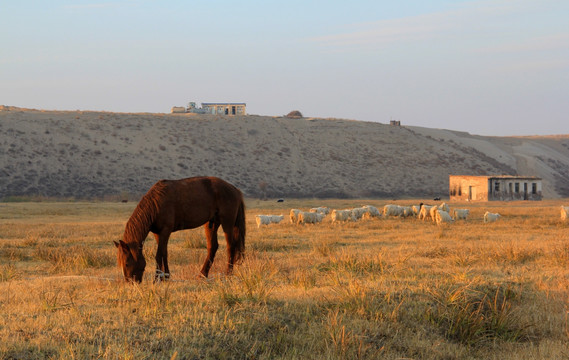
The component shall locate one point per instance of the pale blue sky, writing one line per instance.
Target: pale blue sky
(487, 67)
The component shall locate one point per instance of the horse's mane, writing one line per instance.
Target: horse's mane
(139, 223)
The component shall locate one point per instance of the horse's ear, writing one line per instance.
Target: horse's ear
(122, 245)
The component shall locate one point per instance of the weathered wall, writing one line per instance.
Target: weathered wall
(515, 189)
(474, 188)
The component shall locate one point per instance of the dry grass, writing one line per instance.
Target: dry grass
(388, 288)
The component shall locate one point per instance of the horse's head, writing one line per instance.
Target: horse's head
(131, 261)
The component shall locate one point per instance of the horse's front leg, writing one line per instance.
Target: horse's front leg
(212, 245)
(162, 270)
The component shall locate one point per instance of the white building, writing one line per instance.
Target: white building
(224, 108)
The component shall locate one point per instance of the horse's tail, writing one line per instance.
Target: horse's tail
(240, 228)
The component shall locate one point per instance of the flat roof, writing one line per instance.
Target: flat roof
(502, 176)
(222, 103)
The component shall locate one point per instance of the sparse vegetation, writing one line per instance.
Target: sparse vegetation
(52, 154)
(373, 289)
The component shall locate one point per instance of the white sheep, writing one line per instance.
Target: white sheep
(262, 220)
(392, 210)
(461, 214)
(341, 215)
(442, 216)
(294, 215)
(416, 209)
(321, 210)
(372, 211)
(443, 207)
(310, 217)
(433, 212)
(408, 211)
(425, 212)
(491, 217)
(268, 219)
(367, 216)
(564, 212)
(357, 213)
(275, 219)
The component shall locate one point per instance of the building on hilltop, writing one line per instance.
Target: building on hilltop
(212, 108)
(224, 108)
(494, 188)
(178, 110)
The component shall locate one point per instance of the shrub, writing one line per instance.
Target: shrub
(295, 114)
(475, 317)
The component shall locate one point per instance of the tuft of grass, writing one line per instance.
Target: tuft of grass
(303, 279)
(252, 281)
(561, 254)
(353, 294)
(476, 317)
(515, 254)
(322, 247)
(256, 279)
(153, 300)
(8, 272)
(14, 254)
(54, 299)
(356, 264)
(437, 252)
(76, 257)
(270, 245)
(338, 338)
(227, 293)
(194, 240)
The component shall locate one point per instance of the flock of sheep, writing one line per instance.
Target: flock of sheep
(440, 214)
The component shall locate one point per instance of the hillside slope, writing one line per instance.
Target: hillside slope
(97, 154)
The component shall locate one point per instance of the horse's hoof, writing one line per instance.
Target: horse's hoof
(161, 276)
(201, 276)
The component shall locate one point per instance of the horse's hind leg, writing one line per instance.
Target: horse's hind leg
(162, 270)
(212, 245)
(231, 237)
(231, 251)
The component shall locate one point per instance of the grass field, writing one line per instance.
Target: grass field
(382, 288)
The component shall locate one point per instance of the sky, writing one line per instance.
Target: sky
(497, 67)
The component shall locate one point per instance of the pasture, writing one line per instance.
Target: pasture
(381, 288)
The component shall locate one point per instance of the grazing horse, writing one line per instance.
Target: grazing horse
(172, 205)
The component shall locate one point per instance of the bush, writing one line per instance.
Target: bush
(295, 114)
(475, 317)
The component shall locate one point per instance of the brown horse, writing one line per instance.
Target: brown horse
(172, 205)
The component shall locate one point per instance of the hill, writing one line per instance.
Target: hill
(86, 154)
